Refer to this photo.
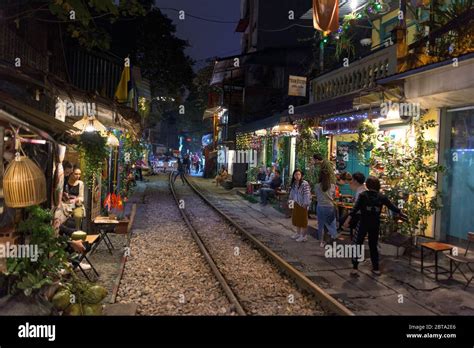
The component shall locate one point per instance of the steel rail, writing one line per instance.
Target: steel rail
(225, 286)
(327, 301)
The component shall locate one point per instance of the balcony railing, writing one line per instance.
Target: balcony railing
(13, 46)
(92, 71)
(360, 74)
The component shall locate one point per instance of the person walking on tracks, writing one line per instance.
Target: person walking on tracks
(180, 172)
(369, 204)
(300, 200)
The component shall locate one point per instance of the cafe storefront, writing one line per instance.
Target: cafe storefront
(445, 90)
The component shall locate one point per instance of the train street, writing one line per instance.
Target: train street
(193, 171)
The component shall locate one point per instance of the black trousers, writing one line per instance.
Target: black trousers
(181, 175)
(373, 230)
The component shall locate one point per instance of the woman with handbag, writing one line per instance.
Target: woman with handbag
(74, 197)
(326, 209)
(300, 199)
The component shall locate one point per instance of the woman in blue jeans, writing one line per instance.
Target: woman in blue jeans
(325, 192)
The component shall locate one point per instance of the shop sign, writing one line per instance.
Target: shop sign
(297, 86)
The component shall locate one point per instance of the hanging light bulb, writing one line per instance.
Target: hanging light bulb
(90, 124)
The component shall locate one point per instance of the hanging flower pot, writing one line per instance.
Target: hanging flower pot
(24, 183)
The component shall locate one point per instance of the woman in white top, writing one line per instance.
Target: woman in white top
(299, 200)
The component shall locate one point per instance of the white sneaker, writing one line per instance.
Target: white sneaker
(322, 244)
(301, 239)
(295, 236)
(85, 266)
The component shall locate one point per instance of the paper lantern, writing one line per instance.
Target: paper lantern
(24, 183)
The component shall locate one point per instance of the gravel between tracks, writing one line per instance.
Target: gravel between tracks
(166, 273)
(258, 284)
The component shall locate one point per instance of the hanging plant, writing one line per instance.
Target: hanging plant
(366, 139)
(93, 149)
(308, 144)
(345, 46)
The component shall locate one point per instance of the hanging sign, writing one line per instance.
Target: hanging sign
(297, 86)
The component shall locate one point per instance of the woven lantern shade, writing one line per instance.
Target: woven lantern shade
(24, 183)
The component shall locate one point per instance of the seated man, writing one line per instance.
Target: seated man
(222, 176)
(74, 246)
(266, 192)
(261, 176)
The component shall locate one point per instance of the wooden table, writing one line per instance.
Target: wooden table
(436, 247)
(255, 185)
(104, 223)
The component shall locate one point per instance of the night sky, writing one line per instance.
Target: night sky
(206, 39)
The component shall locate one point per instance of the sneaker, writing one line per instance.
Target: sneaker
(301, 239)
(295, 236)
(376, 272)
(322, 244)
(85, 266)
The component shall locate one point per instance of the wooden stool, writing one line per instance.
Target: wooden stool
(436, 247)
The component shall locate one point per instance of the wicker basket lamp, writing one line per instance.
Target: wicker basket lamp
(24, 183)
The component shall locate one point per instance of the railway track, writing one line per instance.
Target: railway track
(255, 279)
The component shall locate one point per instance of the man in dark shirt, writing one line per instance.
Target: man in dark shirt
(266, 192)
(369, 204)
(261, 176)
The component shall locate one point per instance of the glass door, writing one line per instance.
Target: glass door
(457, 217)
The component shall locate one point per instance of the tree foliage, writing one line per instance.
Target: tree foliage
(84, 19)
(409, 173)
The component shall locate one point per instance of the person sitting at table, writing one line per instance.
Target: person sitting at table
(268, 175)
(343, 178)
(222, 176)
(369, 204)
(261, 176)
(275, 184)
(73, 197)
